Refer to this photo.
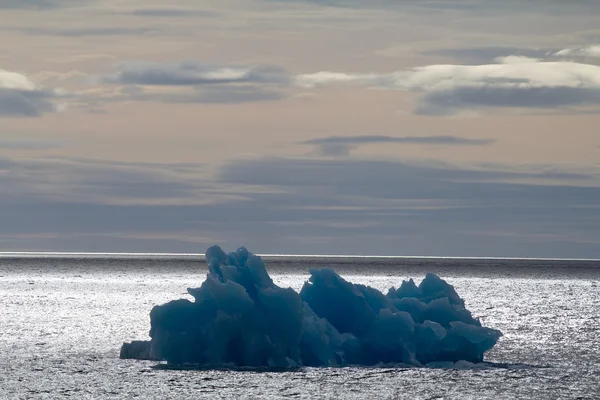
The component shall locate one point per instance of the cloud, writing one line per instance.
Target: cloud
(369, 139)
(513, 81)
(174, 12)
(192, 73)
(486, 54)
(488, 7)
(39, 4)
(90, 31)
(213, 94)
(301, 206)
(343, 145)
(427, 208)
(99, 182)
(193, 82)
(419, 179)
(28, 144)
(19, 97)
(592, 51)
(419, 208)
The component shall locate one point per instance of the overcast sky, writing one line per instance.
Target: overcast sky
(373, 127)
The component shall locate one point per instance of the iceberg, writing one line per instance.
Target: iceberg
(240, 318)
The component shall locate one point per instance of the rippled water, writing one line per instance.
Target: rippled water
(62, 322)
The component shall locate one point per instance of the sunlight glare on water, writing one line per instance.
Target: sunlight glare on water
(64, 320)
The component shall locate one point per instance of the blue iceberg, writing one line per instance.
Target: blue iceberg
(240, 318)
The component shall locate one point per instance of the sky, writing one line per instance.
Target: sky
(380, 127)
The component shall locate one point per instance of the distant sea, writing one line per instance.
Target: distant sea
(63, 318)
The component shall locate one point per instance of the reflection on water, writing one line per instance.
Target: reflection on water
(63, 322)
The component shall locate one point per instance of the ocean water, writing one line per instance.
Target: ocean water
(64, 318)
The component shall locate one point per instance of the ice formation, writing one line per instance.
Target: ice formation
(241, 318)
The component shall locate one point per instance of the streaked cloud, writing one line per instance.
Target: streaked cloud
(156, 12)
(98, 182)
(478, 7)
(368, 139)
(39, 4)
(478, 55)
(92, 31)
(192, 73)
(212, 94)
(15, 143)
(302, 206)
(343, 145)
(191, 82)
(412, 179)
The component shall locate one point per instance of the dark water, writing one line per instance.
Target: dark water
(62, 321)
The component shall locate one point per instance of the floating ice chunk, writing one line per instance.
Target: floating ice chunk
(338, 301)
(462, 364)
(440, 365)
(241, 318)
(138, 349)
(321, 344)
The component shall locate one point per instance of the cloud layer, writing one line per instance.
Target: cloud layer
(511, 82)
(302, 206)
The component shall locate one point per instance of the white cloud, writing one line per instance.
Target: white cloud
(13, 80)
(513, 81)
(20, 97)
(510, 71)
(587, 51)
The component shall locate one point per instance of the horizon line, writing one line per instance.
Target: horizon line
(200, 255)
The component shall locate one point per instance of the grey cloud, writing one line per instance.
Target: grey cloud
(489, 7)
(210, 94)
(495, 8)
(365, 207)
(194, 82)
(391, 180)
(300, 206)
(343, 145)
(174, 12)
(236, 94)
(415, 206)
(192, 73)
(90, 181)
(218, 94)
(26, 103)
(39, 4)
(448, 102)
(366, 139)
(487, 54)
(80, 32)
(28, 144)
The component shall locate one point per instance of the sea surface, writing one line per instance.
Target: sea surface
(63, 319)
